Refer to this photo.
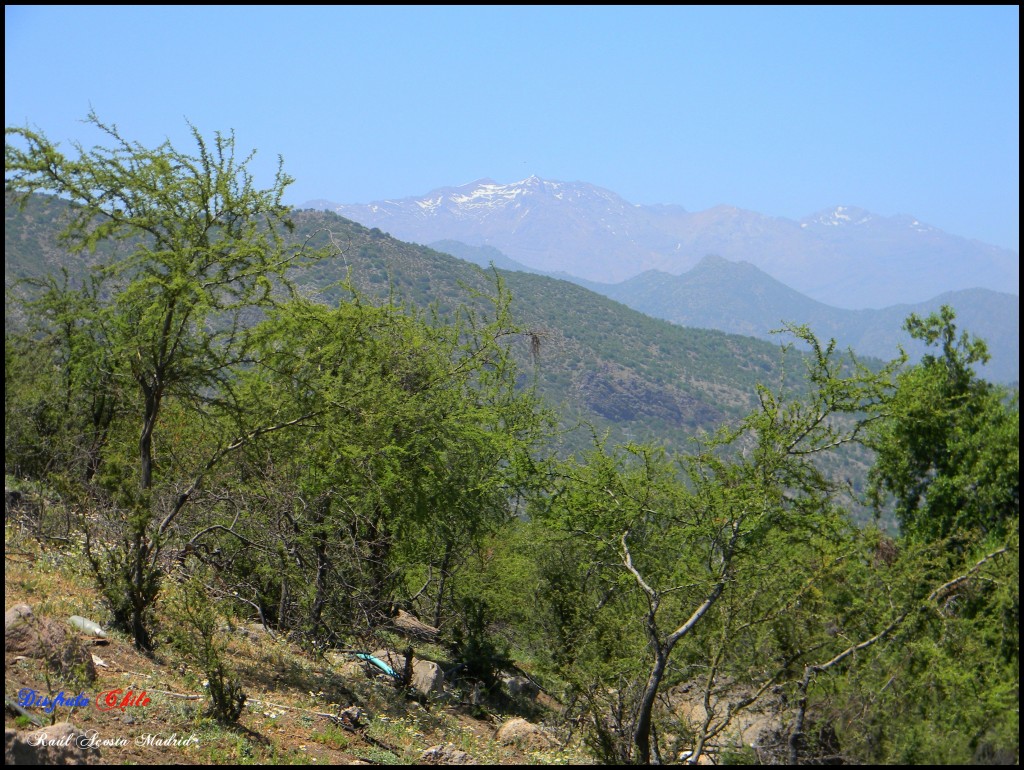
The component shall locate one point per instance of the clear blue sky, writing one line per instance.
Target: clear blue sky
(784, 111)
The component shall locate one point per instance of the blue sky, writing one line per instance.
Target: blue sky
(784, 111)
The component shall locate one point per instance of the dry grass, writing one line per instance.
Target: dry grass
(290, 696)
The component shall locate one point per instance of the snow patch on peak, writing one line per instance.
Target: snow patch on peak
(839, 216)
(534, 183)
(490, 194)
(430, 204)
(913, 223)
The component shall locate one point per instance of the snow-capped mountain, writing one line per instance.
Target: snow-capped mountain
(844, 256)
(840, 216)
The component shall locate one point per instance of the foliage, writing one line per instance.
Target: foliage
(170, 317)
(195, 631)
(409, 444)
(948, 448)
(481, 655)
(61, 385)
(687, 543)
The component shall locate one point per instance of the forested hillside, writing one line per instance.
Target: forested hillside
(738, 298)
(233, 410)
(601, 363)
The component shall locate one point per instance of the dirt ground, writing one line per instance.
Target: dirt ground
(299, 710)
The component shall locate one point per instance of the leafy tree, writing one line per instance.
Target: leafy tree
(738, 575)
(205, 253)
(926, 667)
(723, 540)
(62, 395)
(948, 446)
(412, 442)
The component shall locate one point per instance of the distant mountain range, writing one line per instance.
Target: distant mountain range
(844, 256)
(739, 298)
(598, 362)
(607, 369)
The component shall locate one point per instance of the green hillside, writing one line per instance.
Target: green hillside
(738, 297)
(265, 415)
(605, 366)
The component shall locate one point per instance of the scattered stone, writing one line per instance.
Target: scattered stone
(519, 731)
(394, 660)
(12, 500)
(446, 754)
(262, 631)
(337, 657)
(59, 744)
(351, 716)
(427, 677)
(251, 631)
(350, 668)
(520, 685)
(15, 614)
(411, 626)
(46, 639)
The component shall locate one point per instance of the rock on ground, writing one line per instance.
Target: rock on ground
(519, 731)
(446, 754)
(46, 639)
(59, 744)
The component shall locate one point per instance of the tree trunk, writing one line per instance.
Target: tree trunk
(153, 395)
(443, 581)
(796, 737)
(644, 719)
(322, 563)
(140, 601)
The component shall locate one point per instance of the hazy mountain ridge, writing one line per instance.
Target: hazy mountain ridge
(485, 256)
(738, 298)
(598, 361)
(843, 256)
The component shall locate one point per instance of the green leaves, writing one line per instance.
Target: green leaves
(205, 248)
(947, 442)
(711, 554)
(410, 444)
(204, 254)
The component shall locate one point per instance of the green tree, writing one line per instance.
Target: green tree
(947, 445)
(721, 542)
(205, 253)
(948, 442)
(62, 395)
(196, 632)
(930, 672)
(922, 664)
(412, 444)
